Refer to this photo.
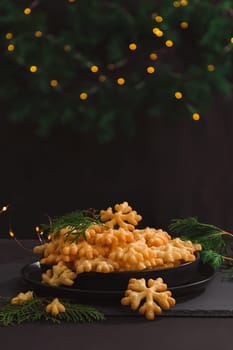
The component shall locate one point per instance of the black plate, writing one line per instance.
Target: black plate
(118, 280)
(32, 275)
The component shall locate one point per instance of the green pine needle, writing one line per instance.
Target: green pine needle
(214, 241)
(211, 257)
(209, 236)
(34, 310)
(77, 221)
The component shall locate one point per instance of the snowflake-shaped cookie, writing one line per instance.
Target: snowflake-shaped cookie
(123, 217)
(55, 307)
(98, 264)
(59, 274)
(22, 297)
(155, 297)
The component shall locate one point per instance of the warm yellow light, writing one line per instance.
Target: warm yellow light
(196, 116)
(33, 69)
(153, 56)
(121, 81)
(37, 228)
(38, 34)
(132, 46)
(111, 66)
(4, 208)
(71, 0)
(211, 67)
(53, 82)
(150, 69)
(176, 4)
(231, 40)
(94, 69)
(67, 48)
(10, 47)
(183, 2)
(158, 19)
(178, 95)
(9, 36)
(83, 96)
(27, 11)
(49, 237)
(102, 78)
(184, 25)
(169, 43)
(11, 233)
(157, 32)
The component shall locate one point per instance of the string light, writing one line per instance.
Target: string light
(83, 96)
(33, 69)
(196, 116)
(53, 82)
(184, 25)
(71, 1)
(158, 19)
(38, 34)
(153, 56)
(94, 69)
(10, 47)
(39, 234)
(4, 208)
(102, 78)
(184, 2)
(67, 48)
(9, 36)
(211, 67)
(120, 81)
(178, 95)
(11, 233)
(157, 32)
(231, 40)
(176, 4)
(132, 46)
(169, 43)
(27, 11)
(150, 69)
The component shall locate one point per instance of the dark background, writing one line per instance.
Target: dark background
(170, 169)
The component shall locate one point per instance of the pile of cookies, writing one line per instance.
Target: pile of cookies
(115, 245)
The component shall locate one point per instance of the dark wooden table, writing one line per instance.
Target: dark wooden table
(119, 332)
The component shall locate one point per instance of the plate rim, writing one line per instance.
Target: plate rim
(66, 289)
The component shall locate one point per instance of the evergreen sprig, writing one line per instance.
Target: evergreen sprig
(34, 310)
(77, 221)
(215, 242)
(208, 235)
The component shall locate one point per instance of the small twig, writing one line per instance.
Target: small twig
(227, 258)
(227, 233)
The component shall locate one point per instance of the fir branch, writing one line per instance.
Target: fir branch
(190, 226)
(79, 313)
(34, 310)
(215, 242)
(77, 221)
(211, 257)
(16, 314)
(209, 236)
